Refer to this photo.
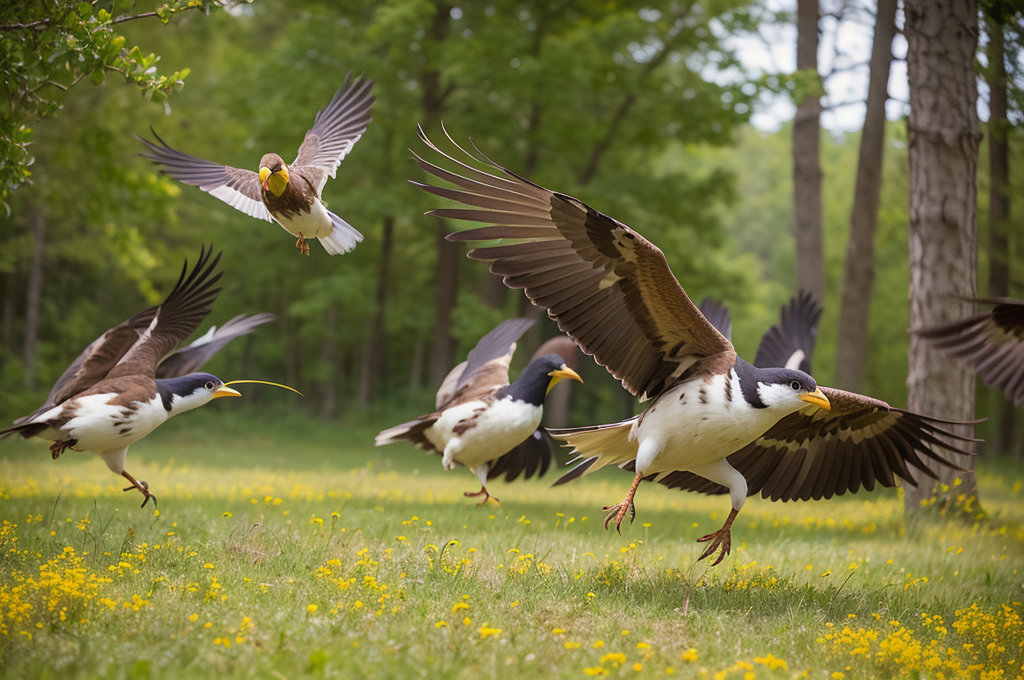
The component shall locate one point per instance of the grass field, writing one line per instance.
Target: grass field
(303, 551)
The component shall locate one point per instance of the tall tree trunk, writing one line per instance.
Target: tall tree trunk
(329, 359)
(445, 296)
(944, 135)
(375, 351)
(7, 316)
(859, 274)
(998, 205)
(37, 223)
(810, 248)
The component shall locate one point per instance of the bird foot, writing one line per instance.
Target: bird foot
(720, 540)
(143, 487)
(618, 513)
(302, 245)
(60, 447)
(482, 492)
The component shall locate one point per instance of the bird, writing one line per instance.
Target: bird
(612, 291)
(287, 194)
(483, 422)
(991, 341)
(121, 387)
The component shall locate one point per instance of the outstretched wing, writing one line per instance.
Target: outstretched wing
(533, 456)
(190, 359)
(335, 131)
(174, 320)
(486, 365)
(790, 343)
(992, 342)
(238, 188)
(717, 315)
(606, 286)
(859, 443)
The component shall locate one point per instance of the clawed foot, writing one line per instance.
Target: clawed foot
(720, 540)
(482, 492)
(60, 447)
(302, 245)
(143, 487)
(618, 513)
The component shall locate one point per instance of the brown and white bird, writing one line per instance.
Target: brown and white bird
(612, 291)
(991, 341)
(129, 381)
(287, 194)
(483, 422)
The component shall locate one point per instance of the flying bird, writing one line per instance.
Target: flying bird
(129, 380)
(991, 341)
(612, 291)
(483, 422)
(287, 194)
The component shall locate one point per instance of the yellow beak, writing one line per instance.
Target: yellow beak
(225, 391)
(264, 174)
(563, 372)
(818, 399)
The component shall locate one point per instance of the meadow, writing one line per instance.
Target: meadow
(298, 549)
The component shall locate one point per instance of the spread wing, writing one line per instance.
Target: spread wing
(606, 286)
(992, 342)
(238, 188)
(790, 342)
(859, 443)
(190, 359)
(531, 457)
(717, 315)
(335, 131)
(486, 365)
(174, 320)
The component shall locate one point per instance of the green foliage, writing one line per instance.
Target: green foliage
(47, 48)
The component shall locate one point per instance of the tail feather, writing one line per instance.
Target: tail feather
(26, 429)
(342, 238)
(412, 431)
(596, 447)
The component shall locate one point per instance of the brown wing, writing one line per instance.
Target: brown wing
(335, 131)
(717, 315)
(174, 320)
(191, 358)
(790, 343)
(238, 188)
(859, 442)
(485, 367)
(992, 342)
(605, 285)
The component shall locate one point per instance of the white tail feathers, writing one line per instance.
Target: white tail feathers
(599, 446)
(395, 434)
(342, 238)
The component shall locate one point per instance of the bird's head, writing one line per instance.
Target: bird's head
(273, 174)
(192, 391)
(539, 376)
(790, 389)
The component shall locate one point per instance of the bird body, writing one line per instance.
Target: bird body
(470, 433)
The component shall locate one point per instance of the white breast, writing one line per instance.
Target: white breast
(315, 223)
(495, 430)
(101, 426)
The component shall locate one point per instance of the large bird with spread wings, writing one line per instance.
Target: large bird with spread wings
(612, 291)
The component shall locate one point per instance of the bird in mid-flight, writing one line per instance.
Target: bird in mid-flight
(483, 422)
(287, 194)
(129, 380)
(612, 291)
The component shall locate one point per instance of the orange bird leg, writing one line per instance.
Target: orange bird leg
(141, 486)
(722, 539)
(618, 511)
(482, 492)
(302, 245)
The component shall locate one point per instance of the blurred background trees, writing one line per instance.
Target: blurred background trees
(642, 111)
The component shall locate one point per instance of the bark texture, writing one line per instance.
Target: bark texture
(810, 248)
(859, 272)
(33, 297)
(942, 37)
(375, 351)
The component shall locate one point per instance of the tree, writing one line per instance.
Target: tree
(859, 272)
(944, 137)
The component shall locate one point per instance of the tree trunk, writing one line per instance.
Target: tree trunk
(375, 352)
(329, 359)
(37, 223)
(445, 296)
(7, 317)
(810, 249)
(998, 207)
(944, 137)
(859, 274)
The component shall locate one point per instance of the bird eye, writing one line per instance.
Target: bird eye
(209, 384)
(795, 385)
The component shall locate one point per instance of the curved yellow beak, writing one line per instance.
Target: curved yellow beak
(818, 399)
(560, 373)
(264, 175)
(263, 382)
(225, 391)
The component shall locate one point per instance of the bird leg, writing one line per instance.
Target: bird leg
(60, 447)
(482, 492)
(618, 511)
(141, 486)
(722, 539)
(302, 245)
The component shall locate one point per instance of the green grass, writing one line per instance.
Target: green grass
(311, 553)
